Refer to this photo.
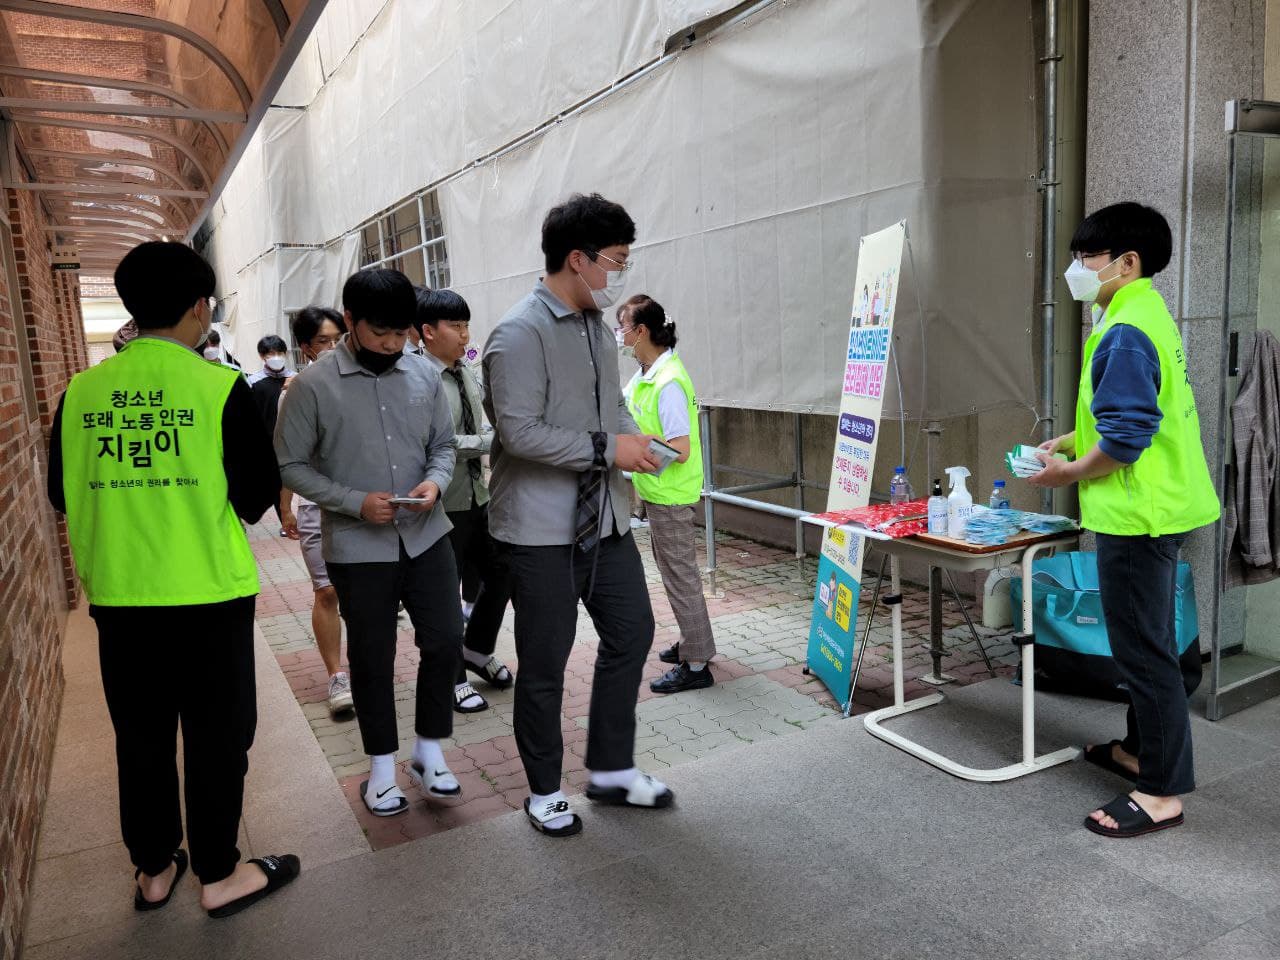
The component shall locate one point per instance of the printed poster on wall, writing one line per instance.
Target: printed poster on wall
(834, 623)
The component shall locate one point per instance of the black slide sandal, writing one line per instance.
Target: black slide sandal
(1132, 819)
(1100, 756)
(492, 672)
(141, 903)
(281, 871)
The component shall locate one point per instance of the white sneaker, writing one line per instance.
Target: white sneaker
(340, 698)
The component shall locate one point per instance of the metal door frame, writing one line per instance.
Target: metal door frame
(1244, 118)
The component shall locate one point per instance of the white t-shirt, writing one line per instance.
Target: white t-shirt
(673, 406)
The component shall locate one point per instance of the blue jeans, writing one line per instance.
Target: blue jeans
(1138, 578)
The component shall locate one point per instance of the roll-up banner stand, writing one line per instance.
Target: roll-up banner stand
(834, 623)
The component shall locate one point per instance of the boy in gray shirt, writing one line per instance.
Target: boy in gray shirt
(366, 428)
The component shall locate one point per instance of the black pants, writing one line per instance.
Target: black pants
(193, 665)
(474, 550)
(1138, 577)
(545, 594)
(369, 595)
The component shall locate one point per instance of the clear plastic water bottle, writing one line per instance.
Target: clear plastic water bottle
(999, 498)
(900, 487)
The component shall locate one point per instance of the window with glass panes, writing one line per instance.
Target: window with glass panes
(410, 239)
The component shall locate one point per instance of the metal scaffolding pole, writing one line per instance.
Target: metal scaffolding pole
(708, 487)
(1048, 231)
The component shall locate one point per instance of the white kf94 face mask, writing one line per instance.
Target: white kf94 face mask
(1084, 283)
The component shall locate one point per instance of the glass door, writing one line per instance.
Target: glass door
(1245, 665)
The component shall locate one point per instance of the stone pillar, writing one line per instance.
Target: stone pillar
(1159, 76)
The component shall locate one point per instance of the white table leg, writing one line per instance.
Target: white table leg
(1028, 662)
(1030, 763)
(895, 588)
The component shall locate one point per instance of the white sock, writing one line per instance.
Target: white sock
(538, 801)
(613, 778)
(382, 772)
(696, 666)
(467, 608)
(472, 699)
(475, 659)
(429, 755)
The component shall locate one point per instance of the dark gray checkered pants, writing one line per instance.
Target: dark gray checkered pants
(672, 534)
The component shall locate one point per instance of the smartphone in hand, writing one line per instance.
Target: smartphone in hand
(664, 453)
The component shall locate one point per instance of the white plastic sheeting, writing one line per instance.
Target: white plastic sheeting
(751, 164)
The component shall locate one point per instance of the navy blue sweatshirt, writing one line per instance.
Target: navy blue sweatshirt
(1126, 383)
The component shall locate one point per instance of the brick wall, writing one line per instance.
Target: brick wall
(37, 582)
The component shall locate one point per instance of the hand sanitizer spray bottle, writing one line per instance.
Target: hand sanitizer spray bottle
(938, 511)
(959, 503)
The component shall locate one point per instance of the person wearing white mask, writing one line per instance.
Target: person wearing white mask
(661, 399)
(214, 352)
(317, 331)
(274, 354)
(267, 386)
(1144, 486)
(270, 381)
(558, 509)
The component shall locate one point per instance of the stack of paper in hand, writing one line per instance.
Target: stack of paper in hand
(1023, 462)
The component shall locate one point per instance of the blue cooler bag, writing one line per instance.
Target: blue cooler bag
(1073, 652)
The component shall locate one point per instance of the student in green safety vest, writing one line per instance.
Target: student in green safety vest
(661, 399)
(155, 456)
(1144, 486)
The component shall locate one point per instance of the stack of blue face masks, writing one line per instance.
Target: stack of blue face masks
(1048, 523)
(989, 528)
(992, 527)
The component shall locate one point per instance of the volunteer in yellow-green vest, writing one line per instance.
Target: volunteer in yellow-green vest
(661, 399)
(155, 457)
(1144, 486)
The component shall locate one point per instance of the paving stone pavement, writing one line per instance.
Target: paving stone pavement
(760, 616)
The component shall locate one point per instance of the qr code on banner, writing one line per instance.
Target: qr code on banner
(864, 380)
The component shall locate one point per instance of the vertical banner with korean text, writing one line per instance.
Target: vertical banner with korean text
(834, 623)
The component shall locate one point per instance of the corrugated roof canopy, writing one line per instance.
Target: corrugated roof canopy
(128, 112)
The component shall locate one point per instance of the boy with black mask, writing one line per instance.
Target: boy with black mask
(368, 435)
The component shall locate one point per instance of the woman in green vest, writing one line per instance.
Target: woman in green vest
(661, 399)
(1144, 486)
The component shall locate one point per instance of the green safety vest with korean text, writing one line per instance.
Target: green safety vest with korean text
(1168, 488)
(147, 510)
(680, 483)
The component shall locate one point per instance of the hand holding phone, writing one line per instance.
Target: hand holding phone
(632, 453)
(377, 508)
(421, 499)
(664, 453)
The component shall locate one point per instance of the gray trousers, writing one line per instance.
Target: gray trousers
(672, 534)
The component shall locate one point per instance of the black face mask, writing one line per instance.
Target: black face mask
(373, 361)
